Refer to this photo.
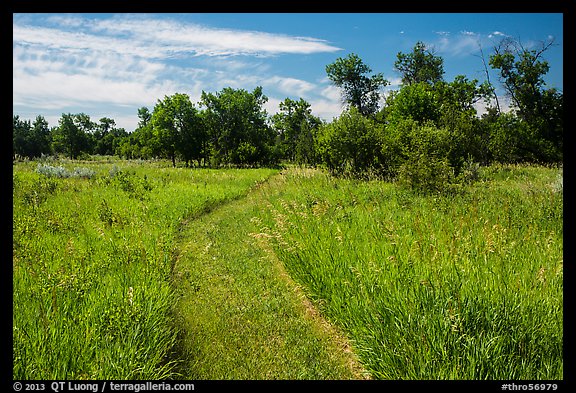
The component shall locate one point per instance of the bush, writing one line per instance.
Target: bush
(52, 171)
(470, 171)
(128, 181)
(351, 145)
(418, 155)
(426, 174)
(61, 172)
(418, 102)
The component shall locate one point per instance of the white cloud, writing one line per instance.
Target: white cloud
(115, 65)
(504, 102)
(290, 86)
(331, 93)
(461, 44)
(326, 109)
(172, 36)
(128, 61)
(160, 38)
(495, 34)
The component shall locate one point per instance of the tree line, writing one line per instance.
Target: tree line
(428, 127)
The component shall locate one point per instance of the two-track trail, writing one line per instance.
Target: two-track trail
(239, 313)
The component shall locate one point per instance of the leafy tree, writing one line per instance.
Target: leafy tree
(351, 144)
(296, 127)
(104, 139)
(459, 116)
(418, 101)
(20, 136)
(70, 137)
(144, 115)
(237, 126)
(178, 128)
(522, 73)
(194, 136)
(358, 89)
(141, 143)
(420, 66)
(40, 137)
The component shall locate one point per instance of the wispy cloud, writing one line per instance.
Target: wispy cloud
(291, 86)
(160, 38)
(133, 60)
(461, 44)
(497, 34)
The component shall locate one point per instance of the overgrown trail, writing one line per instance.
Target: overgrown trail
(241, 315)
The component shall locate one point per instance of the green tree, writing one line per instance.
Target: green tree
(358, 89)
(420, 66)
(351, 144)
(144, 115)
(418, 101)
(141, 143)
(104, 139)
(40, 137)
(177, 127)
(21, 130)
(522, 73)
(70, 137)
(459, 116)
(237, 126)
(296, 127)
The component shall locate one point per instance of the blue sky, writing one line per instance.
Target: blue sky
(109, 65)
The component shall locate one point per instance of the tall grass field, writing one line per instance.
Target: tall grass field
(461, 286)
(93, 249)
(466, 284)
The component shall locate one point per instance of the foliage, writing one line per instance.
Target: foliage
(296, 127)
(234, 118)
(426, 167)
(107, 137)
(351, 144)
(358, 90)
(419, 102)
(521, 72)
(30, 140)
(420, 66)
(231, 127)
(178, 128)
(70, 137)
(59, 171)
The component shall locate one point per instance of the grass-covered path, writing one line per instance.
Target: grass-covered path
(240, 315)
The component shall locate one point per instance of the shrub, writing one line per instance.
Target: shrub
(128, 181)
(418, 155)
(426, 174)
(351, 144)
(84, 173)
(61, 172)
(52, 171)
(470, 171)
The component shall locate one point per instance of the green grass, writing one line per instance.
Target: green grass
(144, 271)
(240, 315)
(462, 286)
(92, 265)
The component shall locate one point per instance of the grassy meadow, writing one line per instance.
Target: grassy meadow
(92, 264)
(461, 286)
(136, 270)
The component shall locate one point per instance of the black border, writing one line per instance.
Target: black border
(565, 7)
